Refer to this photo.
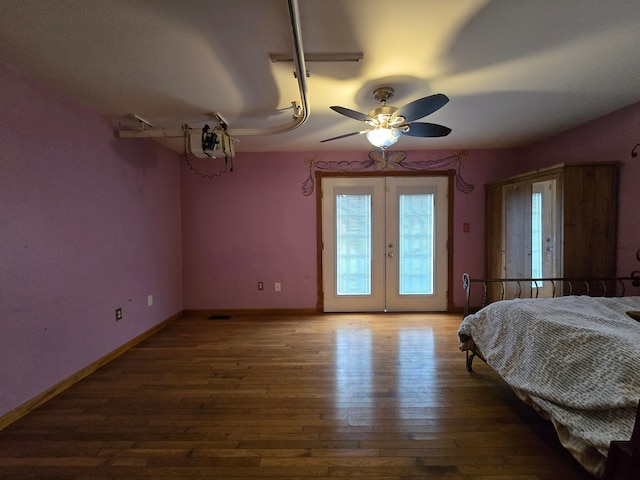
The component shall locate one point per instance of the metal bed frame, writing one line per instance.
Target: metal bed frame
(596, 287)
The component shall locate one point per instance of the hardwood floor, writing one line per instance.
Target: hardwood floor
(361, 396)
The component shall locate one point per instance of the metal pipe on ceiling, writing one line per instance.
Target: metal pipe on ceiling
(301, 109)
(300, 116)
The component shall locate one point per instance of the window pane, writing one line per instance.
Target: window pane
(536, 237)
(416, 246)
(353, 244)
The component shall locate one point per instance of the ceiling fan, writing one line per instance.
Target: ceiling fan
(388, 123)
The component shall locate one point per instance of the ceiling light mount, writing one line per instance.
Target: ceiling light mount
(382, 94)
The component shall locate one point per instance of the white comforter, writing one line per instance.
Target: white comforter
(576, 358)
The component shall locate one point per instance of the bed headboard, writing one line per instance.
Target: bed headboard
(554, 287)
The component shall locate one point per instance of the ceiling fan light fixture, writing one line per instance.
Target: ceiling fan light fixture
(383, 137)
(389, 123)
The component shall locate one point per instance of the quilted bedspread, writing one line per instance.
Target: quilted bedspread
(576, 359)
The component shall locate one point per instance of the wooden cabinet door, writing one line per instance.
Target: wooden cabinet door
(590, 223)
(494, 238)
(517, 235)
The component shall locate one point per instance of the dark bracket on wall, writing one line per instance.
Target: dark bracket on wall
(389, 161)
(633, 152)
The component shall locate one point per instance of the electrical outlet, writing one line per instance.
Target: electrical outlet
(278, 287)
(118, 314)
(260, 285)
(149, 300)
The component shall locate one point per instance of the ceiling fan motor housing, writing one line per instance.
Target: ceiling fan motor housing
(383, 114)
(384, 117)
(382, 110)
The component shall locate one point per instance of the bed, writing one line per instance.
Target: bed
(573, 357)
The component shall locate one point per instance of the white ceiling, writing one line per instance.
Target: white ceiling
(515, 71)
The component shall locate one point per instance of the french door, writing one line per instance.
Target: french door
(384, 243)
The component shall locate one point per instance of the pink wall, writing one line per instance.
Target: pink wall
(247, 226)
(610, 138)
(255, 224)
(88, 223)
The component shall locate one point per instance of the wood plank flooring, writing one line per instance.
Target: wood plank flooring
(382, 396)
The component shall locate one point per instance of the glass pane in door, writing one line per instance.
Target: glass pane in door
(353, 244)
(544, 263)
(536, 236)
(416, 244)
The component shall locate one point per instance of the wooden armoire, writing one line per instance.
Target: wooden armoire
(567, 212)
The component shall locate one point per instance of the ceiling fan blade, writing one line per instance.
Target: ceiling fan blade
(342, 136)
(352, 114)
(421, 107)
(422, 129)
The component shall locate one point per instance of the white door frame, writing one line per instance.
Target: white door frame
(448, 228)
